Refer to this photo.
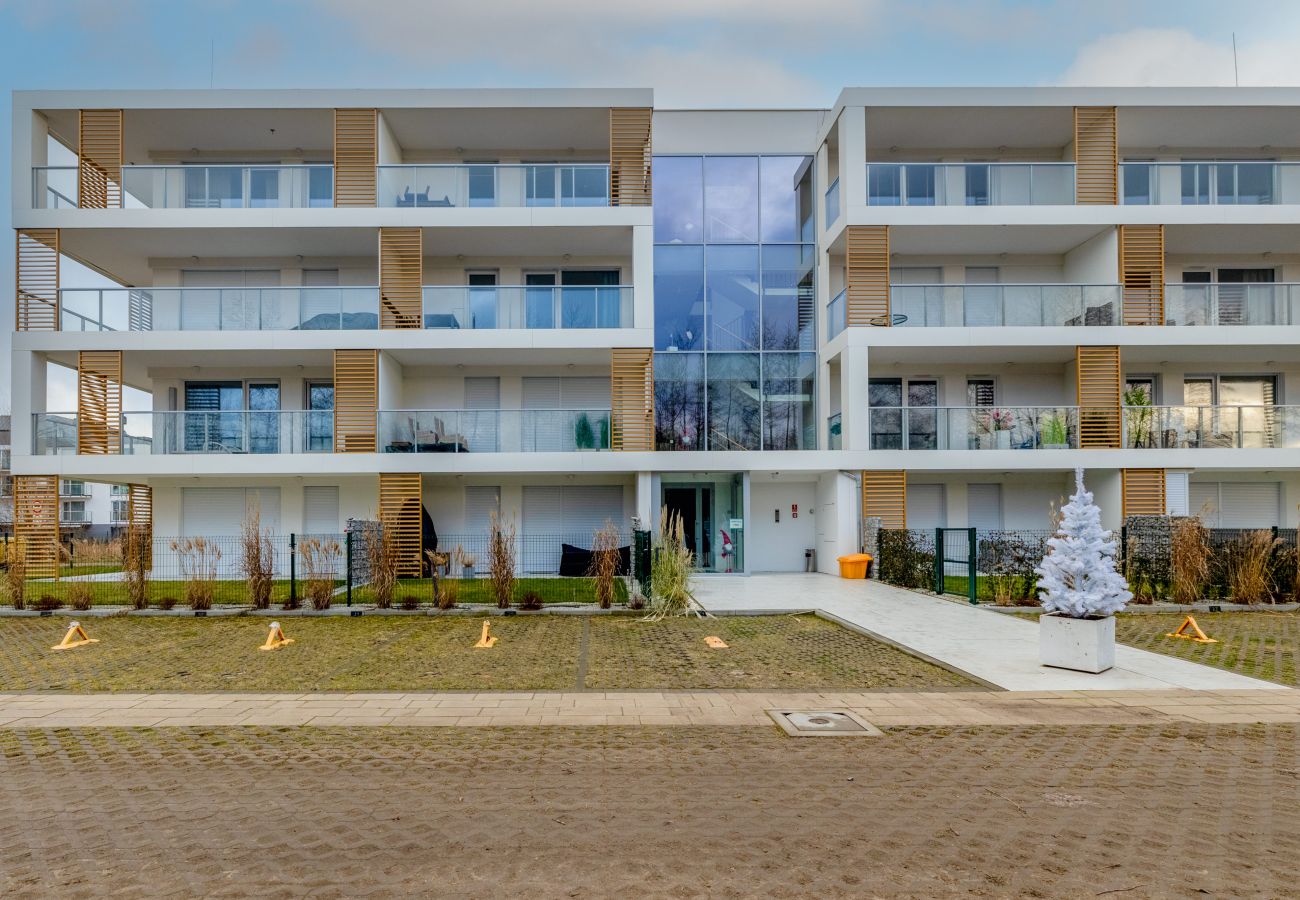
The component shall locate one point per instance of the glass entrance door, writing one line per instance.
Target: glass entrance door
(694, 503)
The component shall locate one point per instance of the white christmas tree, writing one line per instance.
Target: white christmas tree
(1077, 578)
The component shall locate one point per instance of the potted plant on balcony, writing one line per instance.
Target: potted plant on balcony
(1052, 433)
(1139, 417)
(1080, 590)
(584, 436)
(1002, 421)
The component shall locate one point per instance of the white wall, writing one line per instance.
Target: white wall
(1095, 261)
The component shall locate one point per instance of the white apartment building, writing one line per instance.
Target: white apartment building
(923, 305)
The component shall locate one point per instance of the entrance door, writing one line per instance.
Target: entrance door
(694, 503)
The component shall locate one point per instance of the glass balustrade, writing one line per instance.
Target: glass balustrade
(529, 307)
(1218, 303)
(1192, 183)
(981, 305)
(493, 185)
(228, 186)
(970, 184)
(493, 430)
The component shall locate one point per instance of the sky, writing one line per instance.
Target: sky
(694, 53)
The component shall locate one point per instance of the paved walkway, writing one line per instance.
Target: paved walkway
(886, 709)
(995, 648)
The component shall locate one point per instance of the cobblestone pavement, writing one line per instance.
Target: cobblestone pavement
(1170, 810)
(886, 708)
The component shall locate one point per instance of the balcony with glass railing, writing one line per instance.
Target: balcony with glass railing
(532, 307)
(970, 184)
(54, 187)
(832, 203)
(228, 186)
(835, 316)
(991, 305)
(1220, 303)
(494, 185)
(974, 428)
(493, 430)
(1212, 427)
(1237, 183)
(73, 516)
(834, 432)
(192, 432)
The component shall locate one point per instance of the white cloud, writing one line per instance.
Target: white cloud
(1173, 57)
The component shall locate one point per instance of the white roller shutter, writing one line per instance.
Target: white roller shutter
(320, 509)
(565, 514)
(1249, 504)
(1177, 498)
(1204, 501)
(483, 393)
(219, 512)
(925, 506)
(983, 507)
(542, 392)
(584, 393)
(481, 501)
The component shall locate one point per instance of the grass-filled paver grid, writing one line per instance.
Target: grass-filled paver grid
(1259, 644)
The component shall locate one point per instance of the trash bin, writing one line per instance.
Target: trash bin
(854, 565)
(810, 560)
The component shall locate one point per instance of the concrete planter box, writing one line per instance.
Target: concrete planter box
(1084, 645)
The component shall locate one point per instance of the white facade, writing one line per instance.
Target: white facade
(531, 277)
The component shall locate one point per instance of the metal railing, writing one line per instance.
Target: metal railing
(54, 187)
(974, 428)
(832, 203)
(835, 316)
(1218, 303)
(529, 307)
(231, 186)
(1239, 183)
(493, 185)
(979, 305)
(493, 430)
(1212, 427)
(970, 184)
(834, 437)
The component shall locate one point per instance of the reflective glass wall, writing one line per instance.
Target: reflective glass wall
(735, 360)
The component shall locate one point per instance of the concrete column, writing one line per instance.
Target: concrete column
(28, 397)
(645, 498)
(1108, 493)
(852, 127)
(642, 277)
(854, 424)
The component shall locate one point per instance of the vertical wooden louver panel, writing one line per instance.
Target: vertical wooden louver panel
(866, 293)
(1142, 273)
(356, 400)
(401, 505)
(99, 159)
(1096, 155)
(36, 523)
(632, 399)
(884, 494)
(629, 156)
(99, 401)
(401, 275)
(1099, 386)
(1143, 492)
(139, 522)
(356, 155)
(36, 269)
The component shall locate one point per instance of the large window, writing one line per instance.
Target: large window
(734, 278)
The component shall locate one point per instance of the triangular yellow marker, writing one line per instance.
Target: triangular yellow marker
(485, 640)
(276, 639)
(716, 642)
(1196, 635)
(81, 638)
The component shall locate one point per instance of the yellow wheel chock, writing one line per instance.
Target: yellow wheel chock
(76, 637)
(1192, 632)
(715, 642)
(276, 639)
(485, 640)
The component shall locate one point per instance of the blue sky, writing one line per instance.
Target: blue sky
(693, 52)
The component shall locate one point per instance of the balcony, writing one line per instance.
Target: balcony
(970, 184)
(1247, 183)
(991, 305)
(69, 489)
(198, 187)
(493, 430)
(54, 187)
(1212, 427)
(493, 185)
(835, 316)
(832, 203)
(74, 517)
(1216, 303)
(532, 307)
(834, 432)
(189, 432)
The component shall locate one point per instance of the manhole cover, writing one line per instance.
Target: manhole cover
(822, 722)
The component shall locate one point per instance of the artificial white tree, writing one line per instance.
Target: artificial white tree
(1078, 578)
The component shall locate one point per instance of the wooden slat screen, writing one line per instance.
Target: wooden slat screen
(36, 268)
(884, 494)
(632, 399)
(401, 275)
(1142, 273)
(866, 294)
(139, 521)
(356, 154)
(1096, 155)
(36, 523)
(99, 401)
(1143, 491)
(356, 400)
(401, 503)
(99, 159)
(629, 156)
(1099, 386)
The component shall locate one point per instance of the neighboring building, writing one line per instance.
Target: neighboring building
(927, 305)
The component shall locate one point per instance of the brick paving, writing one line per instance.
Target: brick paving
(887, 709)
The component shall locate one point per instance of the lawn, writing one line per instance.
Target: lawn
(394, 653)
(479, 590)
(113, 593)
(1259, 644)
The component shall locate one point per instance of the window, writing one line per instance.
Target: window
(215, 419)
(482, 180)
(679, 298)
(679, 200)
(920, 397)
(980, 392)
(731, 296)
(120, 512)
(733, 411)
(320, 415)
(482, 299)
(73, 512)
(731, 199)
(679, 401)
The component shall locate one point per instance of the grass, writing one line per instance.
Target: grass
(113, 593)
(1259, 644)
(386, 653)
(479, 590)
